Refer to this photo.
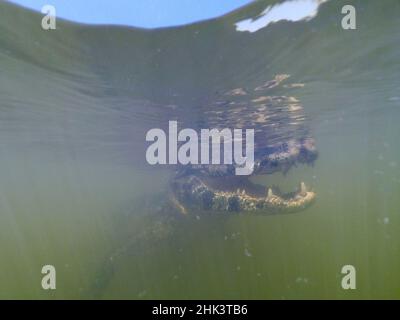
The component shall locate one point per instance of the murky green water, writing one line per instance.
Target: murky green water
(76, 192)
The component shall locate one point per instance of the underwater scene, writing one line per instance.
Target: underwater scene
(77, 190)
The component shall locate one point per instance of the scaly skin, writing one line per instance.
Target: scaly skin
(192, 192)
(282, 141)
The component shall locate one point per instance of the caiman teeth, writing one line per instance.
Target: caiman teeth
(270, 194)
(204, 197)
(302, 199)
(303, 189)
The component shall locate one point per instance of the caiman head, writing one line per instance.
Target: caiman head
(281, 141)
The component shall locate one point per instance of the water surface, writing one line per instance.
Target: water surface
(77, 193)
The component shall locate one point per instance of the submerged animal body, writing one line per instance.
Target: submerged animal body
(281, 141)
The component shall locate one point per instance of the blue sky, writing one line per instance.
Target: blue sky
(140, 13)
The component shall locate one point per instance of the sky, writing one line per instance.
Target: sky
(138, 13)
